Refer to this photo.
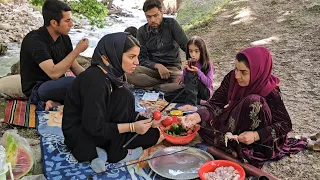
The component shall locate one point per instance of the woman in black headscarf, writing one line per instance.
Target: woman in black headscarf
(100, 112)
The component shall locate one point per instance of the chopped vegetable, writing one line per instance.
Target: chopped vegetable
(178, 130)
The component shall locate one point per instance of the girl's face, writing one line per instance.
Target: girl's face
(130, 59)
(242, 73)
(194, 52)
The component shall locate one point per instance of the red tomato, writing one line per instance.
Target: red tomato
(167, 121)
(174, 119)
(157, 115)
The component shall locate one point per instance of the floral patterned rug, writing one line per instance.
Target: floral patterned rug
(58, 162)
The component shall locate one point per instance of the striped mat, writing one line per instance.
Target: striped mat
(20, 113)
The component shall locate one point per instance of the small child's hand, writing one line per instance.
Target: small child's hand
(195, 68)
(192, 68)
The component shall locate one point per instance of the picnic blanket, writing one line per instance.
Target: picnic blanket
(20, 113)
(59, 163)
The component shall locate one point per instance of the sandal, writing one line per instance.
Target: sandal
(313, 145)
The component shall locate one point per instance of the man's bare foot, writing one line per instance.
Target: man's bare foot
(50, 105)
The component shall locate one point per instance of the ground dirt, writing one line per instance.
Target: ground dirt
(292, 33)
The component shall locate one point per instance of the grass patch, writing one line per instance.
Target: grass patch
(195, 14)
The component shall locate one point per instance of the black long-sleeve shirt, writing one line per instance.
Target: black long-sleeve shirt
(162, 45)
(92, 111)
(86, 105)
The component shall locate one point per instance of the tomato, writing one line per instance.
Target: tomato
(157, 115)
(167, 121)
(174, 119)
(190, 131)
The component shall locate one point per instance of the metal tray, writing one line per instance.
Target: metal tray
(181, 165)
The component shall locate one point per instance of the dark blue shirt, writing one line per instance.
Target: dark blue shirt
(161, 45)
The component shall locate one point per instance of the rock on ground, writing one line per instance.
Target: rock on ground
(16, 20)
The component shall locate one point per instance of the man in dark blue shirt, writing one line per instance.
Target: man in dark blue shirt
(47, 54)
(160, 39)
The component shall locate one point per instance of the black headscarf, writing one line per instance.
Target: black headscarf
(108, 57)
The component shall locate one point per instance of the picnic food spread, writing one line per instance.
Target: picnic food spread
(172, 128)
(158, 105)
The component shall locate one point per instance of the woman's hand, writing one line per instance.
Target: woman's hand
(190, 120)
(141, 127)
(248, 137)
(156, 123)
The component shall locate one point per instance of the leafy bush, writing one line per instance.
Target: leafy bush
(37, 3)
(92, 9)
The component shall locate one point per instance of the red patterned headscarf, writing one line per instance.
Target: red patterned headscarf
(262, 81)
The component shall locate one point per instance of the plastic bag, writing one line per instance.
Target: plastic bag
(3, 162)
(18, 153)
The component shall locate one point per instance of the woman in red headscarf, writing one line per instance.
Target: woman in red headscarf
(248, 103)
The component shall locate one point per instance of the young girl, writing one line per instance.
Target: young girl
(197, 79)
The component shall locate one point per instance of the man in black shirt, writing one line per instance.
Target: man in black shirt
(47, 54)
(160, 39)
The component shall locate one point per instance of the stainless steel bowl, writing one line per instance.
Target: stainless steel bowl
(182, 165)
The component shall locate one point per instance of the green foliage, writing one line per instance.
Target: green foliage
(37, 3)
(92, 9)
(194, 15)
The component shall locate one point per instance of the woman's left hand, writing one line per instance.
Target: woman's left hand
(157, 123)
(248, 137)
(192, 68)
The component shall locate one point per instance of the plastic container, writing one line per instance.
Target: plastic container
(211, 166)
(176, 113)
(180, 140)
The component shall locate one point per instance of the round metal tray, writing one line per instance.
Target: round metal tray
(180, 165)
